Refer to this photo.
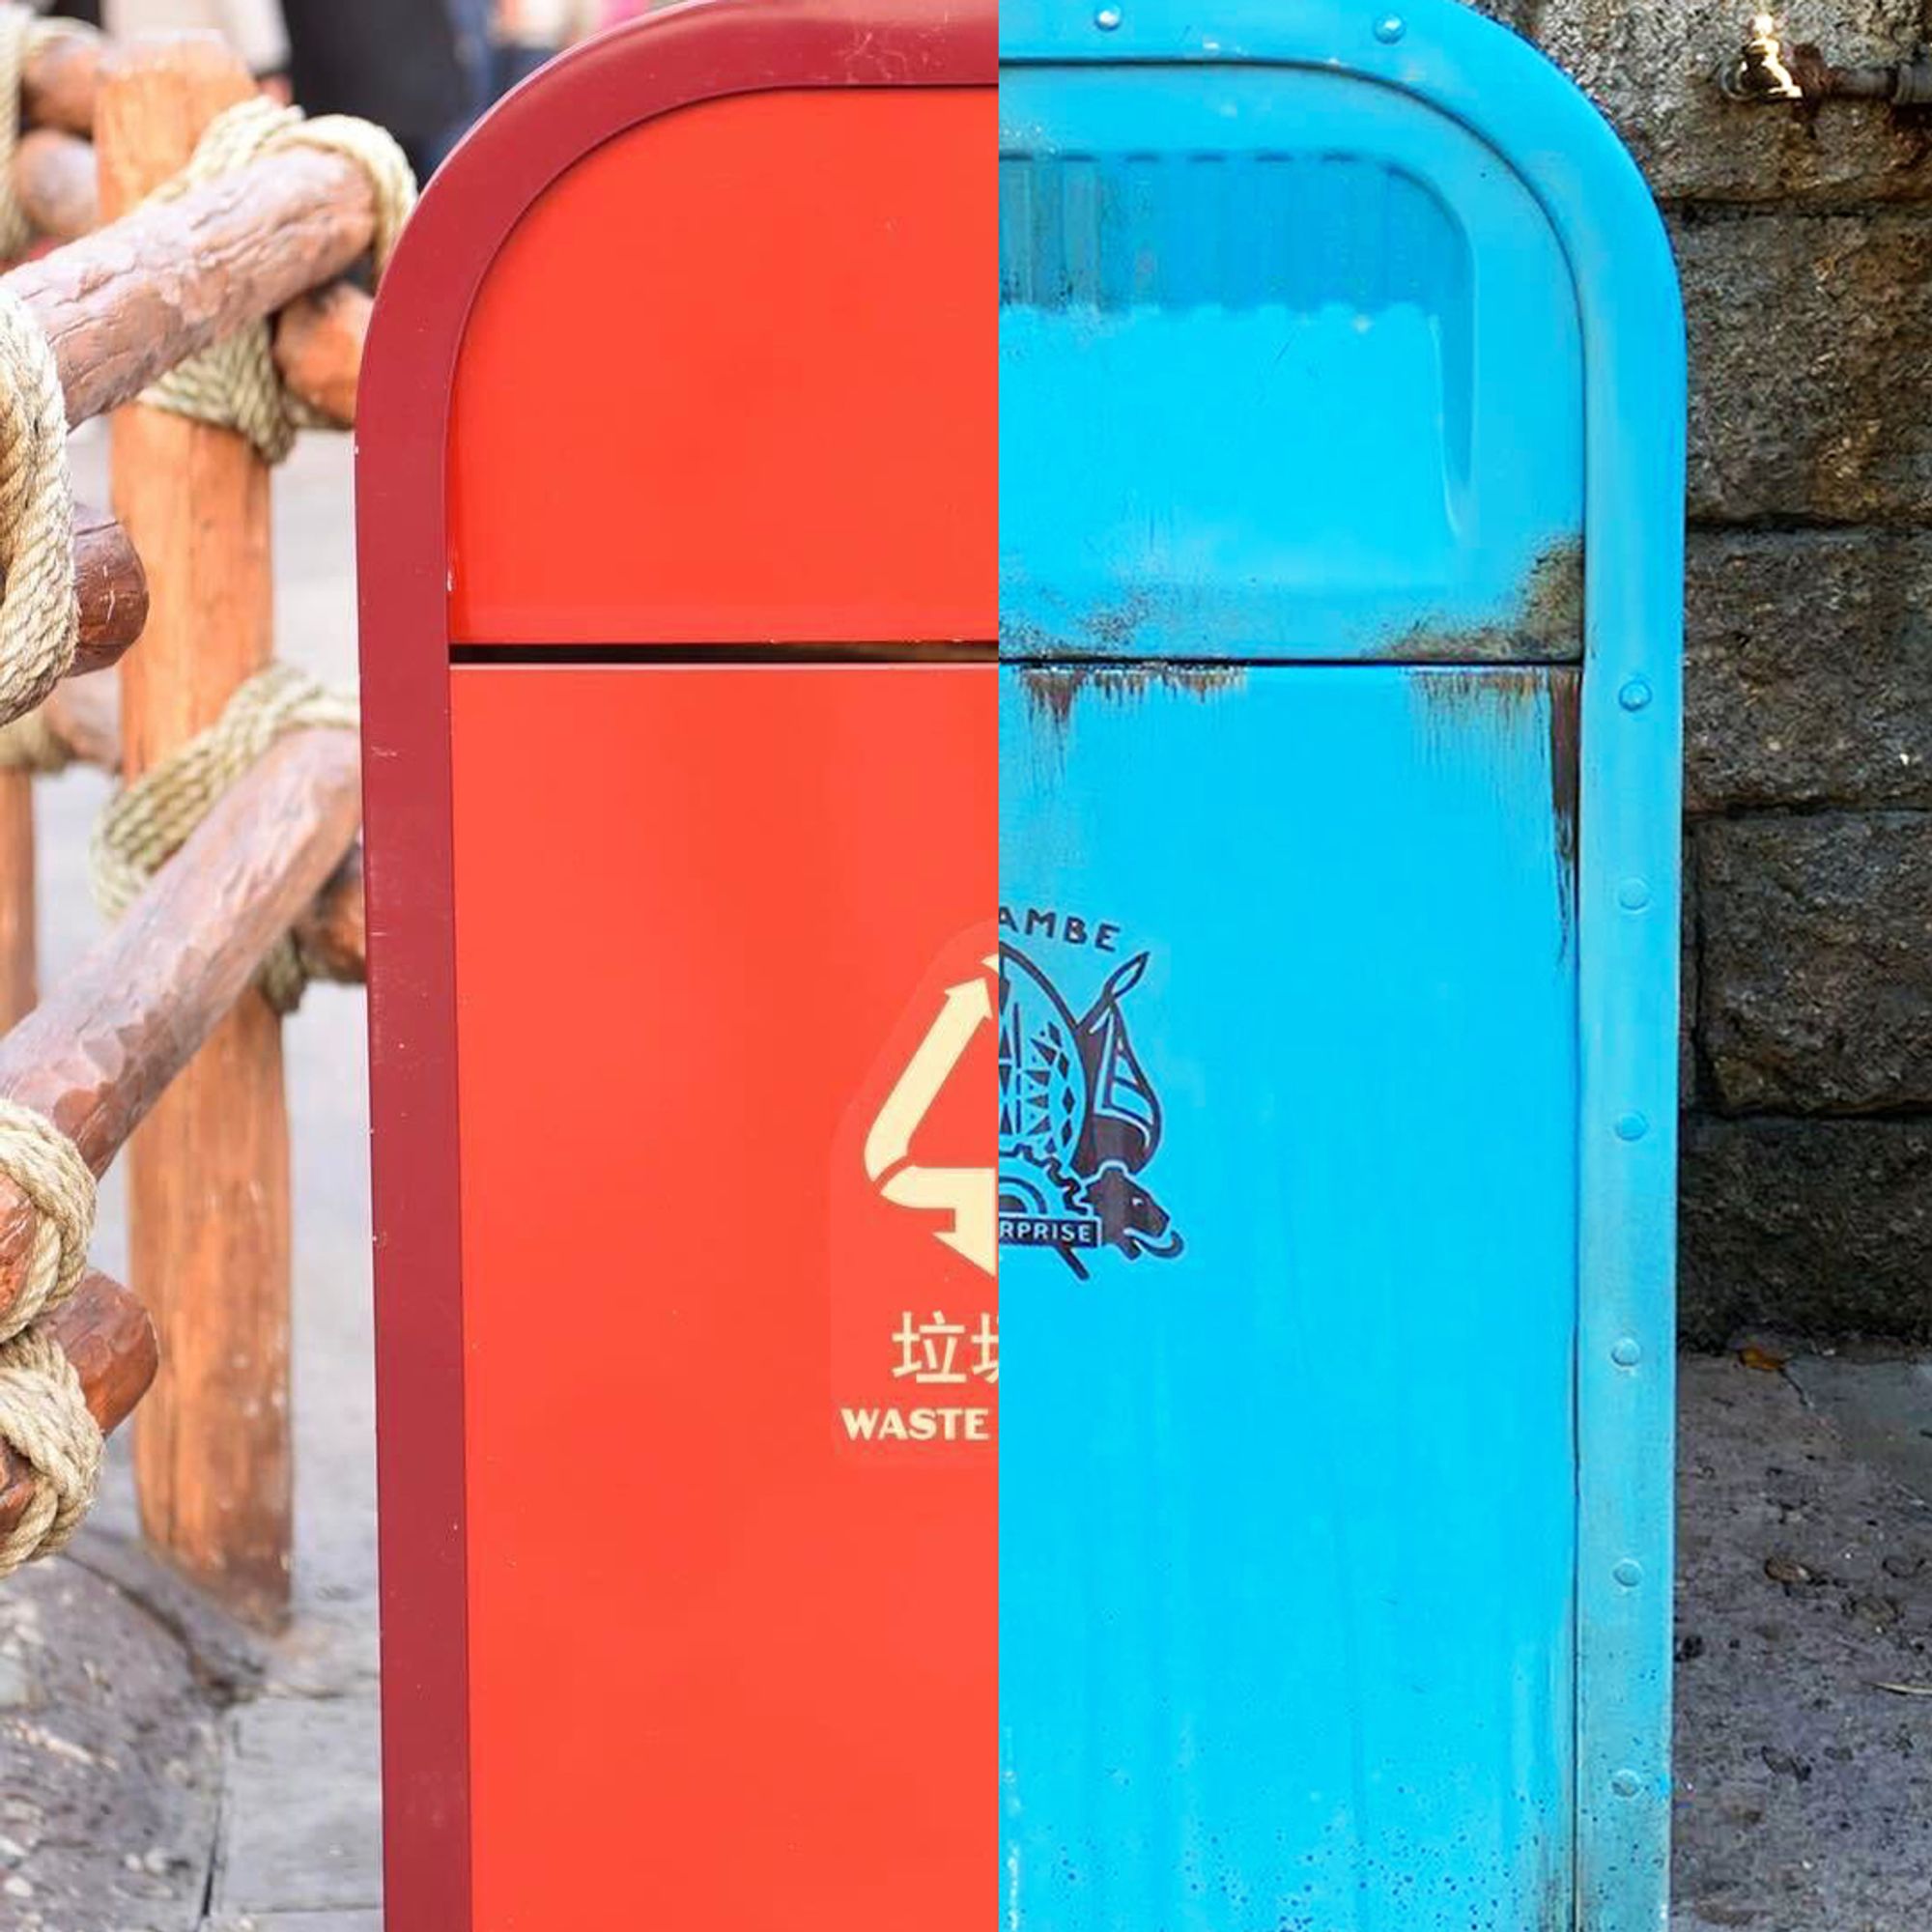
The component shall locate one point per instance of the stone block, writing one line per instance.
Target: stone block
(301, 1830)
(1519, 15)
(1689, 1075)
(1808, 669)
(1811, 1227)
(1810, 345)
(1652, 66)
(1815, 974)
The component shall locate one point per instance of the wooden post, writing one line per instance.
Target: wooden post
(19, 934)
(208, 1172)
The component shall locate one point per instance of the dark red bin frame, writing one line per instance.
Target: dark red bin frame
(702, 52)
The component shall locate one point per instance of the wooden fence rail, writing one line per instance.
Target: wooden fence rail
(141, 294)
(107, 1334)
(84, 717)
(113, 590)
(83, 297)
(55, 184)
(103, 1046)
(59, 87)
(160, 1027)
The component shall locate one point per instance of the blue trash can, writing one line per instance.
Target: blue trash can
(1342, 471)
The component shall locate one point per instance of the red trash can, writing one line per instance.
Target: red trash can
(678, 514)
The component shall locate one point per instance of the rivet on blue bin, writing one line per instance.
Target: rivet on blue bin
(1633, 1127)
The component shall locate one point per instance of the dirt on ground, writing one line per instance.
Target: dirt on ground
(1804, 1650)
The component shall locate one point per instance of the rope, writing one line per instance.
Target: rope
(47, 1169)
(44, 1413)
(235, 384)
(147, 822)
(30, 744)
(40, 615)
(23, 35)
(45, 1421)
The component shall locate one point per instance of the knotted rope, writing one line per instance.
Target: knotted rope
(23, 34)
(47, 1169)
(40, 615)
(44, 1413)
(235, 384)
(145, 823)
(45, 1421)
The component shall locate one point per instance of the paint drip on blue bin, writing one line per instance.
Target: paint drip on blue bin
(1342, 459)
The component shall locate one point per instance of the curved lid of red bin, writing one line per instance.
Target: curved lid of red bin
(577, 410)
(571, 436)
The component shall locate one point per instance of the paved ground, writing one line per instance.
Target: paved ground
(161, 1774)
(1804, 1646)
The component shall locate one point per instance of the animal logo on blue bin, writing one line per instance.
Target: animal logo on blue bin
(1080, 1122)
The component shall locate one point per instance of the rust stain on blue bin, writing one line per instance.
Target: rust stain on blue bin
(1341, 484)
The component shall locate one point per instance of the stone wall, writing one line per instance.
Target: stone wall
(1805, 246)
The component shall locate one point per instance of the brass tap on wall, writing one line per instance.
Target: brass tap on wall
(1759, 71)
(1767, 72)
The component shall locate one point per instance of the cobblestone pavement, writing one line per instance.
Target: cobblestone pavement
(161, 1773)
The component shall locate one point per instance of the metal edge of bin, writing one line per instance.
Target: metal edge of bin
(701, 51)
(1540, 126)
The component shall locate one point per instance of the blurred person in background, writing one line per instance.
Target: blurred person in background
(528, 33)
(406, 64)
(500, 42)
(422, 69)
(253, 28)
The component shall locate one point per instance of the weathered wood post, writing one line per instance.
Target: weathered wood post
(208, 1172)
(17, 917)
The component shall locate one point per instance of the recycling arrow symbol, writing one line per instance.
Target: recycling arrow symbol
(968, 1194)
